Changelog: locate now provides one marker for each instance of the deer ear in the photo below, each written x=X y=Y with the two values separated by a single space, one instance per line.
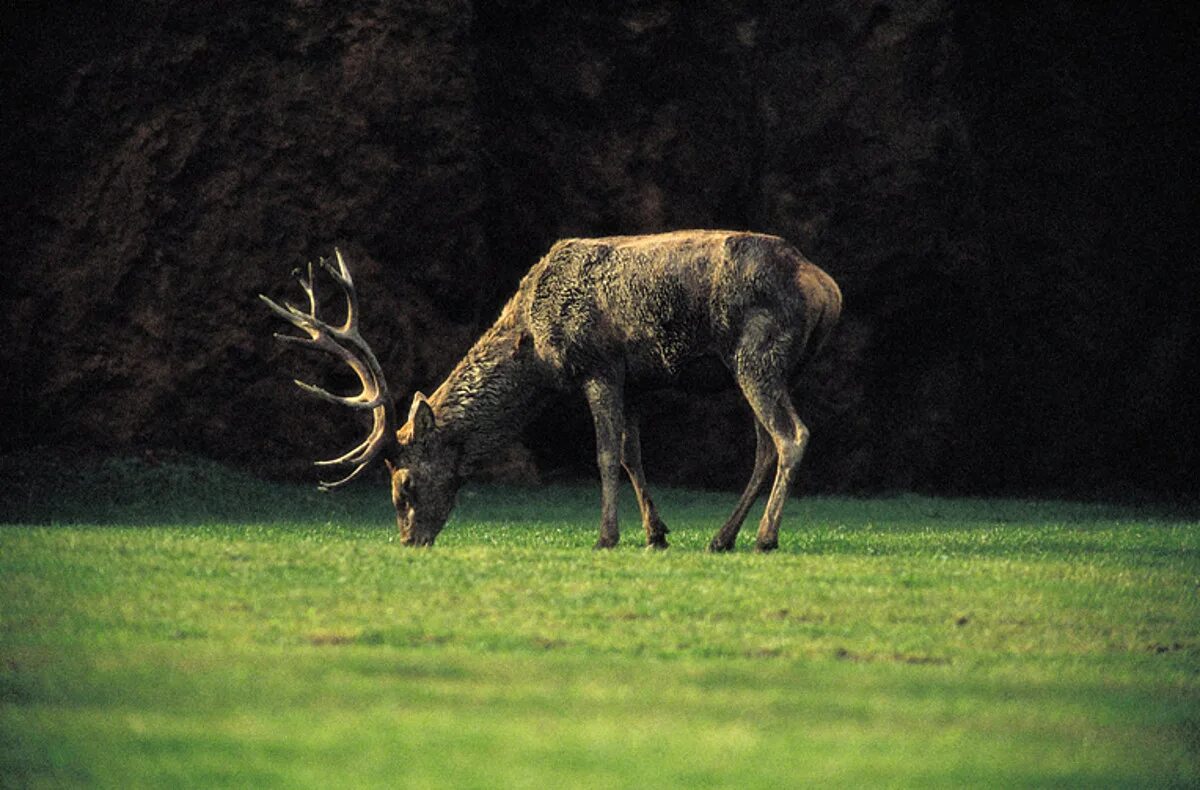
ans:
x=421 y=417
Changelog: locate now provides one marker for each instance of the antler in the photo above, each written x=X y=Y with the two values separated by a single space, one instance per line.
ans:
x=345 y=343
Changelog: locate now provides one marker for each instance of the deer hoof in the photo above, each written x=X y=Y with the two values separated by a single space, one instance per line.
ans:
x=762 y=547
x=720 y=546
x=657 y=544
x=605 y=542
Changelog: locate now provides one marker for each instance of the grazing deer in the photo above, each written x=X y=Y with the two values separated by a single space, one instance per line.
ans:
x=610 y=316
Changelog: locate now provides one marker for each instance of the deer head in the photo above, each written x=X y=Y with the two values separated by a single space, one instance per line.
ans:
x=424 y=486
x=419 y=459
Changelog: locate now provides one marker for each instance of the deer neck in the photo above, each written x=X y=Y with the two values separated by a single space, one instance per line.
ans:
x=489 y=396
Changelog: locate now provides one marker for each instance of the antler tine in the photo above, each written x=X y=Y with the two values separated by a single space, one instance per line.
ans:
x=301 y=320
x=345 y=343
x=362 y=452
x=362 y=455
x=329 y=486
x=341 y=276
x=366 y=399
x=289 y=313
x=309 y=287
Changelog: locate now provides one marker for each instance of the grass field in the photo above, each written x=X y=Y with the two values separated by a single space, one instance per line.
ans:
x=181 y=625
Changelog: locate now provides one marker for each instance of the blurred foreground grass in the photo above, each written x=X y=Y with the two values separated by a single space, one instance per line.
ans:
x=180 y=624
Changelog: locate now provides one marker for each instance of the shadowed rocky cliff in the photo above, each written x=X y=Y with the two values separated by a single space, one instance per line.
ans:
x=1005 y=197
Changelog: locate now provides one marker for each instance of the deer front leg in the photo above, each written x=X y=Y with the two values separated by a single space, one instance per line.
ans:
x=606 y=399
x=631 y=459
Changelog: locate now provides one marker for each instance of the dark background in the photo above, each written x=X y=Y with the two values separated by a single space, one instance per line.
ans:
x=1008 y=199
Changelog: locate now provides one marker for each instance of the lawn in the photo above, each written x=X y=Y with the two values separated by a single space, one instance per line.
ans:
x=178 y=624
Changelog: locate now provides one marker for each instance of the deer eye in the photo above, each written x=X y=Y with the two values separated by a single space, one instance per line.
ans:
x=403 y=495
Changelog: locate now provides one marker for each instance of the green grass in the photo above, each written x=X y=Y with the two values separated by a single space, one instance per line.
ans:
x=181 y=625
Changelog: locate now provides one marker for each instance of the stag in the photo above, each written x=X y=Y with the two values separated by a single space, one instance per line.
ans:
x=612 y=317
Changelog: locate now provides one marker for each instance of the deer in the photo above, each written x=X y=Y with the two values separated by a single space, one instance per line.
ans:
x=610 y=317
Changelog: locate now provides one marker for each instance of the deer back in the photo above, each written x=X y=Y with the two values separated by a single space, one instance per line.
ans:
x=656 y=302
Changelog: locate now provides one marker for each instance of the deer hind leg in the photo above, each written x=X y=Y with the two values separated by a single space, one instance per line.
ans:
x=631 y=459
x=606 y=399
x=764 y=461
x=760 y=366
